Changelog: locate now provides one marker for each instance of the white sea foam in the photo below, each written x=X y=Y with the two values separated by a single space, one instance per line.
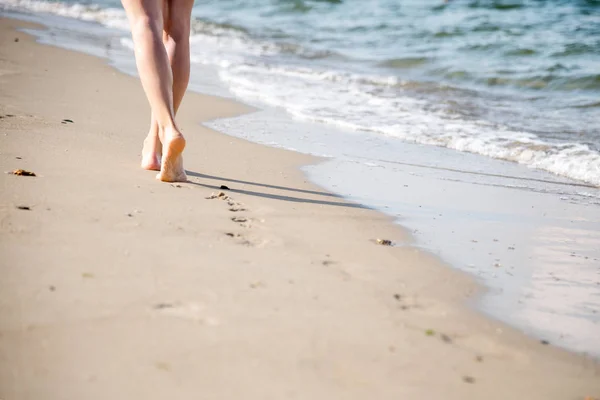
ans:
x=110 y=17
x=360 y=102
x=352 y=105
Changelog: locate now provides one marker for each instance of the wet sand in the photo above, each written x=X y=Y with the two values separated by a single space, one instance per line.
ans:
x=117 y=286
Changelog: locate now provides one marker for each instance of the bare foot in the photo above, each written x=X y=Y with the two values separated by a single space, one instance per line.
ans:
x=171 y=168
x=151 y=153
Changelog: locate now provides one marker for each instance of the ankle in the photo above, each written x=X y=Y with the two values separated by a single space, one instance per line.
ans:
x=170 y=131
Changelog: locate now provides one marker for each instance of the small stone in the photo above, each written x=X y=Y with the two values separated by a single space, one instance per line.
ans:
x=51 y=288
x=468 y=379
x=544 y=342
x=22 y=172
x=161 y=306
x=223 y=187
x=479 y=358
x=445 y=338
x=397 y=297
x=24 y=208
x=16 y=40
x=384 y=242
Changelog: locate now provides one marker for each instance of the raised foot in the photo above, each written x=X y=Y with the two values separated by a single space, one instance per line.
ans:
x=171 y=168
x=151 y=153
x=150 y=162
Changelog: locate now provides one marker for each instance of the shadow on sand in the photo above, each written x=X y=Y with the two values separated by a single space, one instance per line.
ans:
x=283 y=197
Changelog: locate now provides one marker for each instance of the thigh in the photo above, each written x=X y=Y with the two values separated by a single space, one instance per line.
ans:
x=179 y=16
x=144 y=10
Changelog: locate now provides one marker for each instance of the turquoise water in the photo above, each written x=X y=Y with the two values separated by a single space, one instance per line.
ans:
x=530 y=66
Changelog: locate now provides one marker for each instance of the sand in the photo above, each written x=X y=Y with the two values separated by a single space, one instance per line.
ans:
x=114 y=285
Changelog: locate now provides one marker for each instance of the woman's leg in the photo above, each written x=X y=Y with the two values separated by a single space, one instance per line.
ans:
x=177 y=44
x=146 y=21
x=176 y=35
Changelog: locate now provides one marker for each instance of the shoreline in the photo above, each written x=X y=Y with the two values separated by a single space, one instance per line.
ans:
x=513 y=264
x=276 y=204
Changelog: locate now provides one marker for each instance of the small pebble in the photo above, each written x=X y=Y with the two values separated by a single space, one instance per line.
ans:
x=160 y=306
x=446 y=338
x=22 y=172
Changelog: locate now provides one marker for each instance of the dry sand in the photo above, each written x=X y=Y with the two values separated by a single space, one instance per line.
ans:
x=116 y=286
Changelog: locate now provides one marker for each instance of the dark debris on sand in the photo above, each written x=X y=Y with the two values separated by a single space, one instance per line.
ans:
x=22 y=172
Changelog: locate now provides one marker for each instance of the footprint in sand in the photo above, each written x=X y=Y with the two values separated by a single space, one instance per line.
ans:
x=242 y=221
x=234 y=206
x=241 y=239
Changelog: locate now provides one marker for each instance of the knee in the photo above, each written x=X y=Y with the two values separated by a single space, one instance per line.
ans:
x=147 y=26
x=178 y=29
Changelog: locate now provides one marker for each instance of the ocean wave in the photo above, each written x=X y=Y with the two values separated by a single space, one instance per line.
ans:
x=110 y=17
x=349 y=101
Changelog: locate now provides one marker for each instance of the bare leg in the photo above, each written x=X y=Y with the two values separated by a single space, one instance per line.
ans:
x=152 y=149
x=146 y=20
x=177 y=43
x=176 y=34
